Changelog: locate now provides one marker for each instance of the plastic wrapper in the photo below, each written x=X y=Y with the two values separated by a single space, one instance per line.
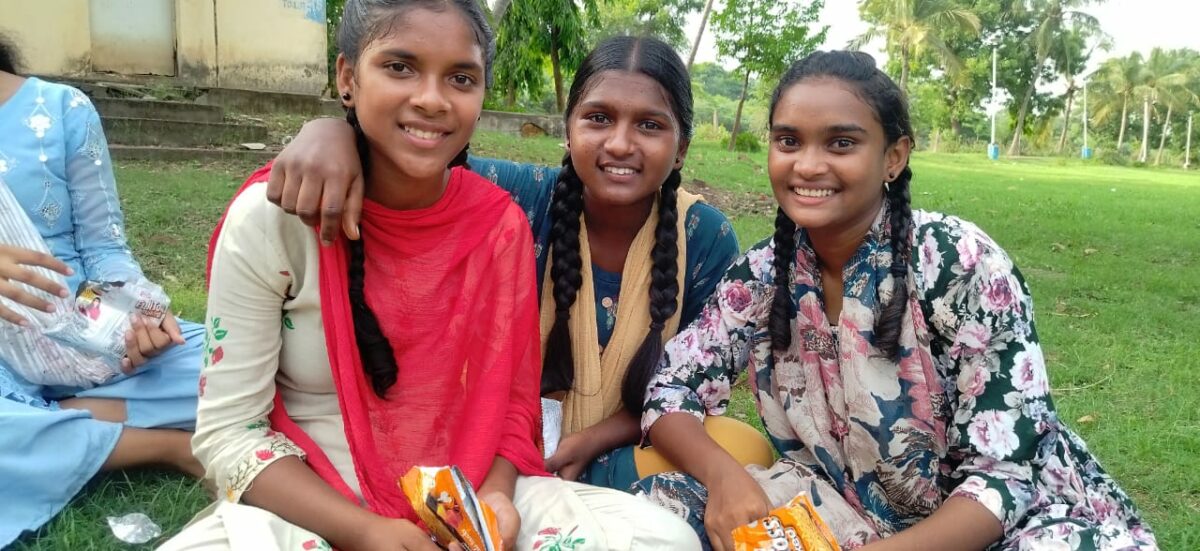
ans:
x=446 y=503
x=80 y=343
x=135 y=528
x=552 y=418
x=793 y=527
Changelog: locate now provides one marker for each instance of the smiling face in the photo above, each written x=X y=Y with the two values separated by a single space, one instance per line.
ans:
x=417 y=91
x=829 y=157
x=624 y=139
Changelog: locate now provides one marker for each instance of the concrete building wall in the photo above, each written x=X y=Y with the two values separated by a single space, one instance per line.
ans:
x=54 y=36
x=196 y=42
x=259 y=45
x=275 y=45
x=133 y=37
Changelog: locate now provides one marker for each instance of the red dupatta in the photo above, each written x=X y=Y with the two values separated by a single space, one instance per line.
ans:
x=453 y=287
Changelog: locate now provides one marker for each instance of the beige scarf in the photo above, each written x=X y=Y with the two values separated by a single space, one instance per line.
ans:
x=596 y=394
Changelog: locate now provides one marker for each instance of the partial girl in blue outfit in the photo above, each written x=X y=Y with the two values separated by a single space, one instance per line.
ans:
x=54 y=159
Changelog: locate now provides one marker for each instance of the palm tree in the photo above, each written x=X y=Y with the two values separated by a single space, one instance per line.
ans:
x=1162 y=83
x=913 y=26
x=1069 y=46
x=1116 y=80
x=1051 y=19
x=1178 y=91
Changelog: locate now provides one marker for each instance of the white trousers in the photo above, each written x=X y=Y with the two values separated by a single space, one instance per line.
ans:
x=576 y=517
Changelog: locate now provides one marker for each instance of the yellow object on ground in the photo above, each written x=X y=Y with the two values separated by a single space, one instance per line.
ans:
x=741 y=440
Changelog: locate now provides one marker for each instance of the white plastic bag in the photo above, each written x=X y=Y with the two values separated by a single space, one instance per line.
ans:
x=82 y=342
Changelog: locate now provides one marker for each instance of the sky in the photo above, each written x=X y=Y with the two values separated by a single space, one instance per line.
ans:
x=1134 y=25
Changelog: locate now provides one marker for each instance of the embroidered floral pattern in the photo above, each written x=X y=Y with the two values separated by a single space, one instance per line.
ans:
x=554 y=539
x=213 y=352
x=249 y=467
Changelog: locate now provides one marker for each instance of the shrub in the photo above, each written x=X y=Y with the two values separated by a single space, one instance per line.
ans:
x=746 y=142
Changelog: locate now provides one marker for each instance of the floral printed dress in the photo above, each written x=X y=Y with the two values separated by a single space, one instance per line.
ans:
x=881 y=444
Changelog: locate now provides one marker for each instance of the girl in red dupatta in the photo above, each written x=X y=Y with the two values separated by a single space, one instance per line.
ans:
x=330 y=371
x=429 y=323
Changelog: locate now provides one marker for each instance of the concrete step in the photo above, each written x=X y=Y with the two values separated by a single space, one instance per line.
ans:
x=139 y=131
x=184 y=154
x=155 y=109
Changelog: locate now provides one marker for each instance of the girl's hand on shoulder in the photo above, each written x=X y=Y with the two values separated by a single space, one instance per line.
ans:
x=390 y=534
x=574 y=453
x=507 y=517
x=318 y=177
x=15 y=263
x=735 y=500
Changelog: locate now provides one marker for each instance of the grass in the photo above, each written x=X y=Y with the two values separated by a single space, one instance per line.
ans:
x=1111 y=255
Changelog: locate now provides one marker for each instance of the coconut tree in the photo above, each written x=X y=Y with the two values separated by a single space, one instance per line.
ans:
x=1164 y=75
x=912 y=27
x=1051 y=18
x=1116 y=80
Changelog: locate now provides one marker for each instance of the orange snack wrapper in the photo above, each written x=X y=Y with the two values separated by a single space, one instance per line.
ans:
x=793 y=527
x=446 y=503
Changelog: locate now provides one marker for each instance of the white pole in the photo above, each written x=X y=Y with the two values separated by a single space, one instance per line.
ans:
x=995 y=55
x=1187 y=156
x=1085 y=118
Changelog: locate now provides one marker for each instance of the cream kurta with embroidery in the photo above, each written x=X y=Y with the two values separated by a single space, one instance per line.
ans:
x=264 y=334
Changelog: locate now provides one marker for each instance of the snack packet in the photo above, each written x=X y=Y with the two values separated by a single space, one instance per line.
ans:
x=445 y=501
x=793 y=527
x=104 y=308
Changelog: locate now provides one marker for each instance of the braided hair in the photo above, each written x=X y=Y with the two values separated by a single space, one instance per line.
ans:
x=660 y=62
x=362 y=21
x=857 y=70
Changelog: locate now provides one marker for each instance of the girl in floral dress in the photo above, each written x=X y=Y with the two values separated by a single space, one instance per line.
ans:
x=892 y=354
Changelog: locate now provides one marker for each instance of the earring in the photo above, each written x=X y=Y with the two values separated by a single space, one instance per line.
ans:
x=887 y=187
x=346 y=96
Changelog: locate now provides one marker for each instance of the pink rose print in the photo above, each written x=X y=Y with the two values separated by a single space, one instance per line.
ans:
x=998 y=294
x=310 y=544
x=264 y=455
x=203 y=384
x=994 y=434
x=736 y=296
x=218 y=355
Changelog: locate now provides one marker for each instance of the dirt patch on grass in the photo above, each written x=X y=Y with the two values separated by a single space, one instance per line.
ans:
x=733 y=203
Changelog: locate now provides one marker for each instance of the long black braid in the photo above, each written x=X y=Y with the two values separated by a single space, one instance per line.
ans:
x=858 y=70
x=780 y=319
x=566 y=205
x=887 y=329
x=664 y=294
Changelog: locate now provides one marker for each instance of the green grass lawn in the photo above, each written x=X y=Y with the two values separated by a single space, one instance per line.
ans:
x=1111 y=255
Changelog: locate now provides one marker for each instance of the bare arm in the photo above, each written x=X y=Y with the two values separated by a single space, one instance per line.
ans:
x=960 y=524
x=734 y=498
x=293 y=491
x=577 y=450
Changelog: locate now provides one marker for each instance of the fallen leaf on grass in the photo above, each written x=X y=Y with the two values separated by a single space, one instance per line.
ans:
x=1086 y=419
x=1089 y=252
x=1058 y=247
